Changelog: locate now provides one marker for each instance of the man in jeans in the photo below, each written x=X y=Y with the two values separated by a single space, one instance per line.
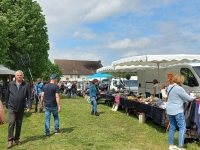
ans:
x=38 y=88
x=50 y=98
x=18 y=92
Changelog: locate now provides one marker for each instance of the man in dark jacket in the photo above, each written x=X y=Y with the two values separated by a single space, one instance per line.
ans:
x=18 y=92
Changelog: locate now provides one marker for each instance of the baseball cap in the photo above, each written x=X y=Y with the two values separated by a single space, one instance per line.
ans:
x=53 y=76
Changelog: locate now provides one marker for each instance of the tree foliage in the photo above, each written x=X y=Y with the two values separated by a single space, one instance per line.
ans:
x=27 y=33
x=3 y=38
x=49 y=70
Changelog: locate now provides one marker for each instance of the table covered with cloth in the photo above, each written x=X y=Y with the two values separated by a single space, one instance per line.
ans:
x=154 y=112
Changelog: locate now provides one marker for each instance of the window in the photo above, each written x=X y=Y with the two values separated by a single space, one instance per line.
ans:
x=188 y=75
x=78 y=76
x=71 y=76
x=67 y=78
x=197 y=70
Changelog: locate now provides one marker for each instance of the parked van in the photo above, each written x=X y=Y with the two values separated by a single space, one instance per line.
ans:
x=131 y=85
x=191 y=72
x=116 y=84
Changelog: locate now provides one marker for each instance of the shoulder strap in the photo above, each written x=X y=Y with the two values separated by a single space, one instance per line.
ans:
x=169 y=91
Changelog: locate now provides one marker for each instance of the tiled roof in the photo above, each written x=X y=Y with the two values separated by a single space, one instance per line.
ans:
x=80 y=67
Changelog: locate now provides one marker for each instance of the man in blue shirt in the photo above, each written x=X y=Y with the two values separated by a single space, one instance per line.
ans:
x=38 y=88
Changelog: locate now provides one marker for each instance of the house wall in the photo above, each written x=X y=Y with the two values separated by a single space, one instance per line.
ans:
x=74 y=77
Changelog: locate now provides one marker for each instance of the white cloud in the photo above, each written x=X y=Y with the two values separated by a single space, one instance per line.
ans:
x=85 y=34
x=130 y=44
x=167 y=26
x=65 y=15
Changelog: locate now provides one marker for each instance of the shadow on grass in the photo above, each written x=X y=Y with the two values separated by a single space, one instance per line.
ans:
x=43 y=137
x=68 y=130
x=101 y=112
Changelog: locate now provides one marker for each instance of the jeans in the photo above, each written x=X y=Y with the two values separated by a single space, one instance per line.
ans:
x=175 y=120
x=94 y=105
x=15 y=121
x=68 y=93
x=37 y=100
x=73 y=94
x=54 y=111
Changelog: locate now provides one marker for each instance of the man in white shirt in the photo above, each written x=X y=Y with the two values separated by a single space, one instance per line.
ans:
x=68 y=89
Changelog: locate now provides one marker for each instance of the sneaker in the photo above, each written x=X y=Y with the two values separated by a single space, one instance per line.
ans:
x=59 y=132
x=48 y=136
x=173 y=147
x=181 y=148
x=9 y=145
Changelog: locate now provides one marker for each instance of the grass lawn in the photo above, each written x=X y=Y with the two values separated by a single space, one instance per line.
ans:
x=82 y=131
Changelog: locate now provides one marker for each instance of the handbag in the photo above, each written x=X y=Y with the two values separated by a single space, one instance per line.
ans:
x=2 y=114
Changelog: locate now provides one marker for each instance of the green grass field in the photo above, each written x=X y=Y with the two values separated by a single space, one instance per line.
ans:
x=82 y=131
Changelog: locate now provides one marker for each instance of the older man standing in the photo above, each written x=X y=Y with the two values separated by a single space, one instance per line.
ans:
x=50 y=97
x=17 y=93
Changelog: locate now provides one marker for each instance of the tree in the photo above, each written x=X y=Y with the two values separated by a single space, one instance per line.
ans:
x=27 y=33
x=49 y=70
x=3 y=39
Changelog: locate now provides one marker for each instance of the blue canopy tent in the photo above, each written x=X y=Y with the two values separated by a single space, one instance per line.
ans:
x=99 y=75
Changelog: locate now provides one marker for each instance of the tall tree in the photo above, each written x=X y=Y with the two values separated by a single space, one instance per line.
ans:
x=3 y=38
x=27 y=34
x=51 y=69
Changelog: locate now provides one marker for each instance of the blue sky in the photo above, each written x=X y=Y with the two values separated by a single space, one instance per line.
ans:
x=109 y=30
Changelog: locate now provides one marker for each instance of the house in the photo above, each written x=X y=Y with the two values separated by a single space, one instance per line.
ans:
x=77 y=70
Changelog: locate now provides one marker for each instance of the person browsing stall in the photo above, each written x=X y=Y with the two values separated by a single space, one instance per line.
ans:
x=174 y=108
x=157 y=89
x=93 y=96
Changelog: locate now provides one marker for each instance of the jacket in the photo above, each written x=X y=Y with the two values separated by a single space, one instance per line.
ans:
x=93 y=91
x=15 y=99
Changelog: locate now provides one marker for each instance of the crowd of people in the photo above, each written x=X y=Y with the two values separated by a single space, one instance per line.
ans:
x=47 y=97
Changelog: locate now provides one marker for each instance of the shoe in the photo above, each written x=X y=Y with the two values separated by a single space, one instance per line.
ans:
x=48 y=136
x=10 y=144
x=17 y=142
x=96 y=113
x=92 y=113
x=59 y=132
x=181 y=148
x=173 y=147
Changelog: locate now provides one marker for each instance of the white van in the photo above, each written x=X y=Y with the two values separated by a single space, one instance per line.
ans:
x=116 y=84
x=191 y=71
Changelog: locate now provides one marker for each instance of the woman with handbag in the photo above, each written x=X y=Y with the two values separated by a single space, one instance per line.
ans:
x=176 y=97
x=93 y=96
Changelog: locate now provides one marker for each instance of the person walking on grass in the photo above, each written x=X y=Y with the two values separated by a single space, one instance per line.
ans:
x=38 y=91
x=18 y=92
x=176 y=97
x=93 y=96
x=50 y=101
x=74 y=89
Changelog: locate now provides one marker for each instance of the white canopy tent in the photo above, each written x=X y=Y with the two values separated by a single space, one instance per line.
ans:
x=4 y=70
x=159 y=60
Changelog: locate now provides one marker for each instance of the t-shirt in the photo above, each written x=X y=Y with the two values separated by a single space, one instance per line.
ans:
x=50 y=91
x=158 y=88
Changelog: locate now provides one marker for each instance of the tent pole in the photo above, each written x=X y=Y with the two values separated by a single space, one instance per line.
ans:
x=159 y=76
